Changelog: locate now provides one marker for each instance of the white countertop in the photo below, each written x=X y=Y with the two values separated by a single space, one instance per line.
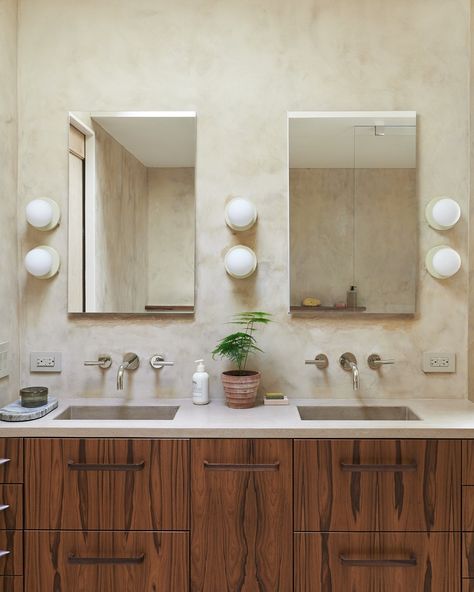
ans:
x=447 y=418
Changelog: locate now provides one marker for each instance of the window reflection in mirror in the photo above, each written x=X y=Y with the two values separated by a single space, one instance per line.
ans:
x=132 y=212
x=353 y=212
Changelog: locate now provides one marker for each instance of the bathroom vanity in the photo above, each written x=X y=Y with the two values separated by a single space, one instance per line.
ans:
x=302 y=513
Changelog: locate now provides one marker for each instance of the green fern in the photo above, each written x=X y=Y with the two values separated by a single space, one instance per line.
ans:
x=237 y=347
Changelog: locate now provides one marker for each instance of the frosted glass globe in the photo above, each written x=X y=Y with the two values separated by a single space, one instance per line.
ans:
x=43 y=213
x=443 y=262
x=240 y=262
x=443 y=213
x=240 y=214
x=42 y=262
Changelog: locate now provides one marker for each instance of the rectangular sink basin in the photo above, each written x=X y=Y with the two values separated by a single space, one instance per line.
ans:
x=122 y=412
x=356 y=413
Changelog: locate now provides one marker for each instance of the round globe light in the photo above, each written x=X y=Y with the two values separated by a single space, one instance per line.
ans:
x=42 y=262
x=240 y=214
x=43 y=213
x=240 y=262
x=442 y=213
x=443 y=262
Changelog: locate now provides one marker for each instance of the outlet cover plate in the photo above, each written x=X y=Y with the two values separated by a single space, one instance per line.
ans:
x=45 y=362
x=439 y=362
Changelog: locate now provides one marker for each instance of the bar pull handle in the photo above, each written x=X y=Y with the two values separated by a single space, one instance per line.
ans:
x=379 y=468
x=73 y=466
x=4 y=507
x=254 y=468
x=4 y=553
x=75 y=560
x=349 y=562
x=4 y=461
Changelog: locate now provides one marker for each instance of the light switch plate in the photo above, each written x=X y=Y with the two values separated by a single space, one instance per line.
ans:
x=45 y=362
x=4 y=369
x=439 y=362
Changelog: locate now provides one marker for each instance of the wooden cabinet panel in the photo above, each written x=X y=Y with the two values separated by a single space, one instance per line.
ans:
x=11 y=460
x=468 y=586
x=11 y=507
x=73 y=561
x=377 y=485
x=242 y=527
x=107 y=484
x=363 y=562
x=11 y=584
x=468 y=554
x=468 y=462
x=11 y=553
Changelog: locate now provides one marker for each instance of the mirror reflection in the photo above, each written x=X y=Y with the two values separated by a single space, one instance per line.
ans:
x=132 y=212
x=353 y=212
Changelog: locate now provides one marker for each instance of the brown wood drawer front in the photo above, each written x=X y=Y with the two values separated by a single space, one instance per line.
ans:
x=91 y=484
x=11 y=553
x=242 y=527
x=71 y=561
x=468 y=586
x=468 y=462
x=11 y=507
x=363 y=562
x=11 y=460
x=11 y=584
x=377 y=485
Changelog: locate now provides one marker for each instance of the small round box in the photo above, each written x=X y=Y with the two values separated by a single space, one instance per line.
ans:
x=34 y=396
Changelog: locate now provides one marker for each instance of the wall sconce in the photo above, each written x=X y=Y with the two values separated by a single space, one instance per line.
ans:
x=240 y=262
x=442 y=213
x=42 y=262
x=240 y=214
x=43 y=213
x=442 y=262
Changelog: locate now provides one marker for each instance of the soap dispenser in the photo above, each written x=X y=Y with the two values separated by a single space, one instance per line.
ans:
x=200 y=384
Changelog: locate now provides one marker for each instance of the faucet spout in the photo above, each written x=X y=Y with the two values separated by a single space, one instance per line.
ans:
x=130 y=362
x=348 y=362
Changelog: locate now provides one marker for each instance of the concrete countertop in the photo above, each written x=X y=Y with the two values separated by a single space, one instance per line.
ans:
x=446 y=418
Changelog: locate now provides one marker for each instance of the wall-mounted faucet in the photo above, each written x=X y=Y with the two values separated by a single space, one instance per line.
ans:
x=130 y=362
x=348 y=362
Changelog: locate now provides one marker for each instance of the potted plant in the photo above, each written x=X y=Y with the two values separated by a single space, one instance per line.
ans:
x=241 y=385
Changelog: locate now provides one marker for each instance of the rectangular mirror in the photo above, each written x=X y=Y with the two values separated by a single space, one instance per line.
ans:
x=132 y=212
x=353 y=212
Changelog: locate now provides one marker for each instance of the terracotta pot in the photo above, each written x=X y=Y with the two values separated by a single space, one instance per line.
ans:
x=240 y=388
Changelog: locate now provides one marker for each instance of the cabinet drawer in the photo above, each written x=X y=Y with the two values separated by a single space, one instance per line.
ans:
x=468 y=462
x=93 y=484
x=72 y=561
x=468 y=586
x=11 y=553
x=399 y=562
x=11 y=584
x=377 y=485
x=11 y=460
x=11 y=507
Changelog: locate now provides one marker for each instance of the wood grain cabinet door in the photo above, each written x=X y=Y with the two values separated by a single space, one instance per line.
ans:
x=73 y=561
x=241 y=516
x=11 y=584
x=91 y=484
x=11 y=460
x=377 y=562
x=377 y=485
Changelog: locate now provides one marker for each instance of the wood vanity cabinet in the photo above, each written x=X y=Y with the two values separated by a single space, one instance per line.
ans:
x=242 y=525
x=108 y=515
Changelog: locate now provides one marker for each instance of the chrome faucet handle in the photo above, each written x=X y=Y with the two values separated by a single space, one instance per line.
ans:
x=374 y=361
x=157 y=361
x=347 y=361
x=104 y=361
x=320 y=361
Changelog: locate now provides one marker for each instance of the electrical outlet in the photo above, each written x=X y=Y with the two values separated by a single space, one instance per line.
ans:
x=4 y=369
x=45 y=362
x=439 y=362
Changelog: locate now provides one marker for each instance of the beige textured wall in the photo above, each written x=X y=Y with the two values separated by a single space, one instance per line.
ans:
x=121 y=227
x=241 y=64
x=8 y=195
x=171 y=221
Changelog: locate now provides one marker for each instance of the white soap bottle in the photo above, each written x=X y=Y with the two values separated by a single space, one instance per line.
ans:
x=200 y=384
